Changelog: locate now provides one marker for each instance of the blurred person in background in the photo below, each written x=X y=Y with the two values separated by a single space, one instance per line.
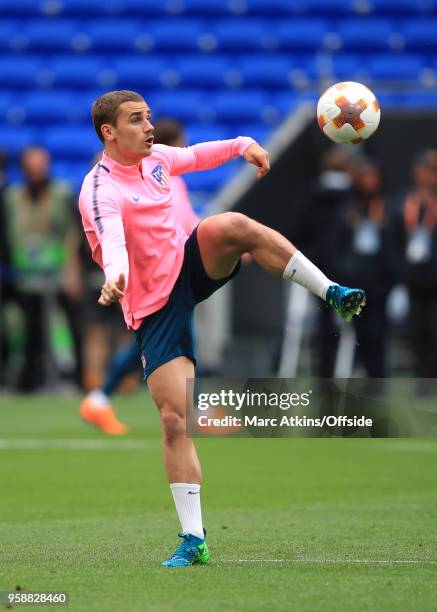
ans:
x=43 y=243
x=414 y=240
x=362 y=256
x=330 y=191
x=97 y=407
x=6 y=286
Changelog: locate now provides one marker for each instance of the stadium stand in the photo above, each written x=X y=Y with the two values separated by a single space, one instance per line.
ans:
x=221 y=66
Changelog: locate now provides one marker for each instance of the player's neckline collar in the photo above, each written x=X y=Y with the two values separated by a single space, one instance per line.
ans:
x=119 y=168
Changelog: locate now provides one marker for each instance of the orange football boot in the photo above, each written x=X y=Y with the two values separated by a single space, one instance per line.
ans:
x=102 y=417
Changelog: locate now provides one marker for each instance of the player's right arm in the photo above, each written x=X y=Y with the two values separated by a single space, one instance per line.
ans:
x=102 y=207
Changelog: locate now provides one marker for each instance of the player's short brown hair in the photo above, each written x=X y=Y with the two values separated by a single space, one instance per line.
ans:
x=105 y=108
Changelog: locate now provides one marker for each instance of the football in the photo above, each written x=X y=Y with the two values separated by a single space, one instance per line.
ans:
x=348 y=112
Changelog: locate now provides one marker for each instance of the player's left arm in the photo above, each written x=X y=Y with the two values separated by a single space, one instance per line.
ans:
x=208 y=155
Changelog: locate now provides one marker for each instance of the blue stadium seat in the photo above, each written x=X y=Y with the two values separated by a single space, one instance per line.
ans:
x=7 y=100
x=285 y=103
x=366 y=34
x=426 y=99
x=305 y=34
x=402 y=7
x=19 y=71
x=203 y=70
x=212 y=179
x=71 y=171
x=392 y=67
x=265 y=8
x=209 y=8
x=266 y=71
x=73 y=71
x=198 y=132
x=260 y=133
x=13 y=140
x=48 y=107
x=23 y=8
x=346 y=67
x=187 y=105
x=243 y=35
x=175 y=34
x=9 y=31
x=90 y=8
x=71 y=142
x=420 y=34
x=145 y=8
x=324 y=7
x=113 y=34
x=240 y=106
x=51 y=35
x=138 y=71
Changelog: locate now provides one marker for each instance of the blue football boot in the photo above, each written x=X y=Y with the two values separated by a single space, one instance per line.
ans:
x=190 y=551
x=345 y=301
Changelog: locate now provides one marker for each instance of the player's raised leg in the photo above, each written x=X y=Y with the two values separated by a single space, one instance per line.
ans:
x=223 y=238
x=168 y=386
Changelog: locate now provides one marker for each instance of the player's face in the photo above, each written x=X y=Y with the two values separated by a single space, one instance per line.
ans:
x=133 y=131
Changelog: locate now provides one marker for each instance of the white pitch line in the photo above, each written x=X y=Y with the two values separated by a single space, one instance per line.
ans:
x=330 y=561
x=71 y=444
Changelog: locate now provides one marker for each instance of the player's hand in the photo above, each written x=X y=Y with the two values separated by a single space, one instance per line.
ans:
x=112 y=291
x=259 y=157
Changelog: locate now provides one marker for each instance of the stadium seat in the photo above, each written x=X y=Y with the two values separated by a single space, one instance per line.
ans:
x=260 y=133
x=402 y=7
x=71 y=171
x=286 y=103
x=21 y=9
x=112 y=35
x=266 y=71
x=174 y=34
x=89 y=8
x=137 y=71
x=7 y=100
x=17 y=71
x=71 y=142
x=346 y=67
x=198 y=132
x=324 y=7
x=243 y=35
x=366 y=34
x=48 y=107
x=211 y=180
x=305 y=34
x=426 y=99
x=188 y=106
x=237 y=107
x=211 y=8
x=13 y=140
x=9 y=32
x=392 y=67
x=203 y=70
x=52 y=35
x=264 y=8
x=420 y=34
x=72 y=71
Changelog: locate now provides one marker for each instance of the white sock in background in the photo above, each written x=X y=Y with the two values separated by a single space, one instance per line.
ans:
x=187 y=501
x=100 y=399
x=300 y=270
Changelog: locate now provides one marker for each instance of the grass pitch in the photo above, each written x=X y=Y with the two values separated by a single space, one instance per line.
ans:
x=303 y=524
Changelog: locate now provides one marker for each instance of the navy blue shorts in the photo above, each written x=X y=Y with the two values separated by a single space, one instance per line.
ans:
x=168 y=332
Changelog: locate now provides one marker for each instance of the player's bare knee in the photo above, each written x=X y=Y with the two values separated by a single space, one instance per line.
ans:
x=237 y=227
x=173 y=424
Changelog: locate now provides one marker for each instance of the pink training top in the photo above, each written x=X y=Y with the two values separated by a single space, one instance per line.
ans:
x=185 y=215
x=129 y=218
